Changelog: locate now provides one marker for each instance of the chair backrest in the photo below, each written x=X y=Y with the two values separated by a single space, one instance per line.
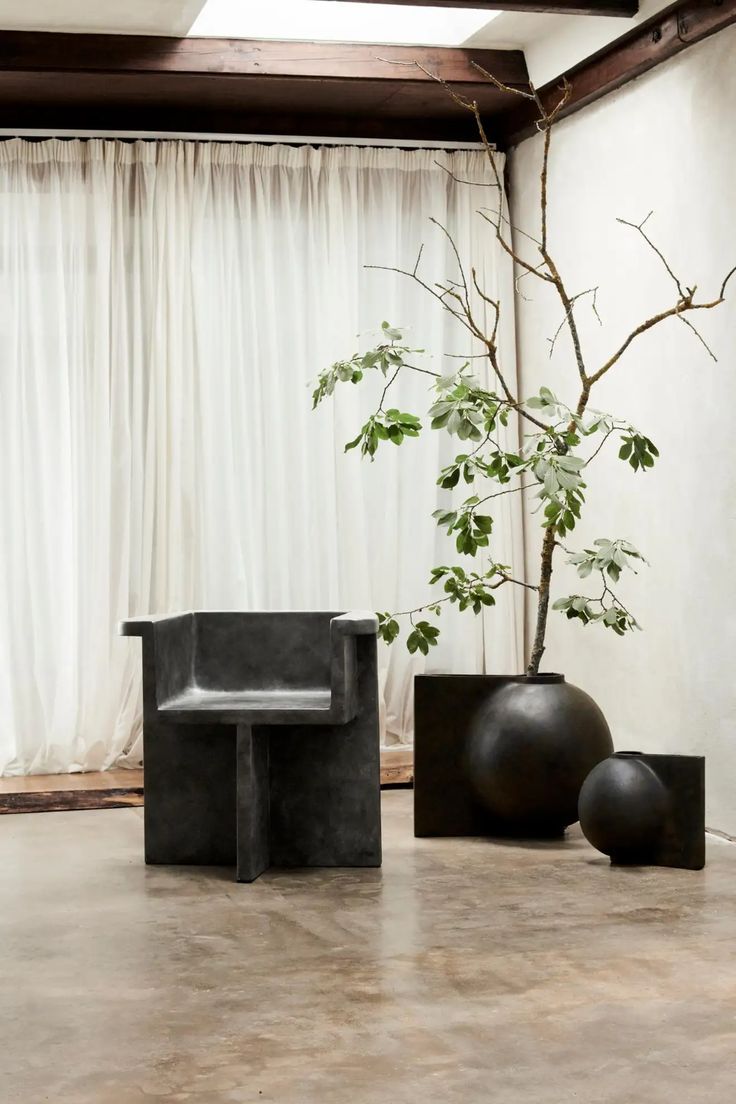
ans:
x=262 y=651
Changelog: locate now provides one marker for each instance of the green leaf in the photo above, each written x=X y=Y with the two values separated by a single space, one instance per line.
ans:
x=390 y=630
x=391 y=332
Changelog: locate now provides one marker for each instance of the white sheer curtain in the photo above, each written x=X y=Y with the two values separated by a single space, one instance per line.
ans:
x=164 y=306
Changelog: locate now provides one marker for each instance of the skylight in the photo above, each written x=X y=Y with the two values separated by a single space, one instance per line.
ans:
x=328 y=21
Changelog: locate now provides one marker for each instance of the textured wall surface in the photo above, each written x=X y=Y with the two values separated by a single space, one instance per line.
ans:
x=665 y=142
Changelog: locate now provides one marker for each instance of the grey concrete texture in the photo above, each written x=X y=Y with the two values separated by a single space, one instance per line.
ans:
x=464 y=971
x=261 y=739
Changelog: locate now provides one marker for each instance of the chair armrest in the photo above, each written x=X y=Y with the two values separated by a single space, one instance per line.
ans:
x=139 y=626
x=168 y=654
x=355 y=623
x=344 y=645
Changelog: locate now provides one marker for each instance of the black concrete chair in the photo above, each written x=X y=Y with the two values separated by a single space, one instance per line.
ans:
x=261 y=741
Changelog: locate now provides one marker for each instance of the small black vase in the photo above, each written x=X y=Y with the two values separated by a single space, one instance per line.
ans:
x=529 y=750
x=646 y=809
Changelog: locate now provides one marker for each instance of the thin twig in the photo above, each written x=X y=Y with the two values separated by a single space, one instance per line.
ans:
x=388 y=384
x=509 y=579
x=459 y=180
x=722 y=292
x=424 y=371
x=600 y=446
x=640 y=228
x=455 y=250
x=513 y=227
x=701 y=339
x=508 y=490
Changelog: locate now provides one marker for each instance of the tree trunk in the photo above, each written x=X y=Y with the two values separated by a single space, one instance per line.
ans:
x=548 y=549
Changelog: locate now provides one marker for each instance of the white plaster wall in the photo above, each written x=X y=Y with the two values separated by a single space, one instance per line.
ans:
x=668 y=142
x=554 y=43
x=572 y=38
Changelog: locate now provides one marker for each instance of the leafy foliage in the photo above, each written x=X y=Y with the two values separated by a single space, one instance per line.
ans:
x=388 y=627
x=551 y=464
x=638 y=450
x=472 y=529
x=609 y=614
x=608 y=557
x=470 y=590
x=422 y=637
x=387 y=357
x=464 y=408
x=389 y=425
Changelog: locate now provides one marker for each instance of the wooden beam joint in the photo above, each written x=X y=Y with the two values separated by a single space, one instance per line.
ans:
x=663 y=36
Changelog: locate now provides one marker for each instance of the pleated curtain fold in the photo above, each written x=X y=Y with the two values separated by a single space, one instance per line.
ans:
x=164 y=308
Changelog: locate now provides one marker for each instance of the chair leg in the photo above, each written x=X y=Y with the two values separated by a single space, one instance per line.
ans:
x=325 y=784
x=189 y=810
x=253 y=812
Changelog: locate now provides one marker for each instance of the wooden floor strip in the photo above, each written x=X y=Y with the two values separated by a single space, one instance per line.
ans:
x=58 y=801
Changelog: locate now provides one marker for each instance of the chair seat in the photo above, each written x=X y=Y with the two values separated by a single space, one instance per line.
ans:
x=248 y=706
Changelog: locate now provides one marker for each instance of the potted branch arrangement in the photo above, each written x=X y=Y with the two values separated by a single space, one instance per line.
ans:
x=532 y=738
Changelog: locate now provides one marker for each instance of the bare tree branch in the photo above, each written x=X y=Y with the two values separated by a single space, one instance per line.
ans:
x=459 y=179
x=677 y=311
x=530 y=269
x=565 y=320
x=456 y=299
x=456 y=251
x=513 y=227
x=511 y=89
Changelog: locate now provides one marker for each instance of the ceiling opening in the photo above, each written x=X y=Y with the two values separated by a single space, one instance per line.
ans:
x=326 y=21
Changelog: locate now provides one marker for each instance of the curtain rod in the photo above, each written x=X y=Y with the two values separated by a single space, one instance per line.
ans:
x=194 y=136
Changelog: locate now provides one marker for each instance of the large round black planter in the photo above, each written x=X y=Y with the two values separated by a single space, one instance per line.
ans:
x=625 y=808
x=529 y=750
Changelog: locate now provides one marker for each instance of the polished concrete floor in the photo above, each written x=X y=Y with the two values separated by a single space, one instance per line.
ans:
x=463 y=972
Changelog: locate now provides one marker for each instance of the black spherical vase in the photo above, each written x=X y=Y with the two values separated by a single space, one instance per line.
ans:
x=646 y=809
x=530 y=748
x=624 y=807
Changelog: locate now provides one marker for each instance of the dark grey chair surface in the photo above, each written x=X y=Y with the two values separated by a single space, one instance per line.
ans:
x=261 y=738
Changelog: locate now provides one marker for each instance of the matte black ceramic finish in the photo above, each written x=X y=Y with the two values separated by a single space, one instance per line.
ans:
x=261 y=739
x=646 y=809
x=529 y=750
x=542 y=737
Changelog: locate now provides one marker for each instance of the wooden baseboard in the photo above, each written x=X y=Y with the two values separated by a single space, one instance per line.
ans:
x=115 y=789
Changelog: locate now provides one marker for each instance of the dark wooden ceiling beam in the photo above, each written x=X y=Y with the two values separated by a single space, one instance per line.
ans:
x=556 y=7
x=43 y=52
x=668 y=33
x=194 y=85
